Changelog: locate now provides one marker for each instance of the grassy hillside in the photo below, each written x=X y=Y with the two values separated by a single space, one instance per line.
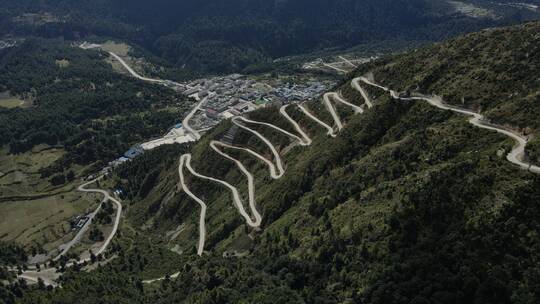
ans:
x=79 y=115
x=409 y=204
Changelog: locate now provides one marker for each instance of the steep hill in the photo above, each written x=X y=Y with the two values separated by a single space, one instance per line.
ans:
x=219 y=36
x=407 y=204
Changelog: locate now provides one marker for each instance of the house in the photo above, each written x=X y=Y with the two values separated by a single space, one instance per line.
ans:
x=245 y=107
x=79 y=221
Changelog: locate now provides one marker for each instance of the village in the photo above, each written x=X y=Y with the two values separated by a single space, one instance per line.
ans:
x=226 y=97
x=235 y=95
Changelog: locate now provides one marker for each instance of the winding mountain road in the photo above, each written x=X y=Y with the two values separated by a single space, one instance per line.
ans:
x=330 y=107
x=133 y=73
x=305 y=140
x=78 y=237
x=276 y=169
x=106 y=197
x=355 y=83
x=48 y=275
x=185 y=161
x=185 y=123
x=515 y=156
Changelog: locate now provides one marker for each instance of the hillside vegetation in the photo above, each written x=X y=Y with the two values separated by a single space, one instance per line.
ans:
x=79 y=103
x=222 y=36
x=492 y=72
x=409 y=204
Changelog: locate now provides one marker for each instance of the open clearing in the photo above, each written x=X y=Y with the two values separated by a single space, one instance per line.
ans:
x=19 y=174
x=9 y=101
x=120 y=49
x=470 y=10
x=63 y=63
x=43 y=221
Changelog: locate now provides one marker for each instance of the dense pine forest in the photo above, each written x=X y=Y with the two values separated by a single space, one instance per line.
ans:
x=224 y=36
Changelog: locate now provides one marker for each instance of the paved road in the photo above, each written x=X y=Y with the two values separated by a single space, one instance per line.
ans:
x=237 y=121
x=331 y=132
x=330 y=107
x=393 y=93
x=196 y=134
x=277 y=170
x=355 y=83
x=515 y=156
x=133 y=73
x=256 y=222
x=185 y=123
x=295 y=137
x=305 y=140
x=87 y=46
x=185 y=161
x=271 y=167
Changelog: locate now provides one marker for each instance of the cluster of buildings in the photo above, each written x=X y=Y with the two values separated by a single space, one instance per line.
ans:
x=235 y=95
x=128 y=155
x=290 y=93
x=78 y=222
x=176 y=134
x=227 y=97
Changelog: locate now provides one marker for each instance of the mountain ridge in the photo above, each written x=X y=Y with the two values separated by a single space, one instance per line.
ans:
x=409 y=204
x=190 y=34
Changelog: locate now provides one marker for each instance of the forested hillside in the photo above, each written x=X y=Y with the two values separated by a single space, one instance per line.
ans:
x=408 y=204
x=79 y=103
x=222 y=36
x=490 y=72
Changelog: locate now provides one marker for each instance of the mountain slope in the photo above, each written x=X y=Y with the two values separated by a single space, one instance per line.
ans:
x=219 y=36
x=407 y=195
x=408 y=204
